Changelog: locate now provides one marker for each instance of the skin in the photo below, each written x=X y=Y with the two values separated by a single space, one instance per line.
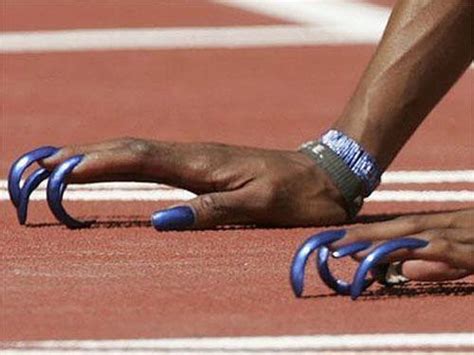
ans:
x=426 y=47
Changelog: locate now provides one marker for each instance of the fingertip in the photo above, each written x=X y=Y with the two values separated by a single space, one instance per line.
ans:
x=175 y=218
x=54 y=159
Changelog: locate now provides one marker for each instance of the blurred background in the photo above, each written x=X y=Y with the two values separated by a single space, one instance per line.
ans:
x=262 y=73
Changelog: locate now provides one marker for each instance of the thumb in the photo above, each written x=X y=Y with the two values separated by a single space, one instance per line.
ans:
x=205 y=211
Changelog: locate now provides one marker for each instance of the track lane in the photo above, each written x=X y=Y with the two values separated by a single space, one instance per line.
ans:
x=24 y=15
x=124 y=280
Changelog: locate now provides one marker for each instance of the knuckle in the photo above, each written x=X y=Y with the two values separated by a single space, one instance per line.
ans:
x=210 y=203
x=268 y=195
x=124 y=141
x=139 y=147
x=412 y=222
x=441 y=245
x=139 y=150
x=461 y=219
x=200 y=163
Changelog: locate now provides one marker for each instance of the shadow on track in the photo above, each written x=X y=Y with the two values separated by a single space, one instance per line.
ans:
x=422 y=289
x=131 y=221
x=413 y=289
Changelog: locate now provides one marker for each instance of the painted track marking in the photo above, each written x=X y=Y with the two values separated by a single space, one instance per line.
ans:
x=299 y=344
x=170 y=194
x=323 y=22
x=136 y=191
x=352 y=19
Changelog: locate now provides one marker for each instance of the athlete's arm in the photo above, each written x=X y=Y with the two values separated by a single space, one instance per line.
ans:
x=426 y=46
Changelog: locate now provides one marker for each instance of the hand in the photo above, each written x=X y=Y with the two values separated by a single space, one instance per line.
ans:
x=237 y=185
x=448 y=256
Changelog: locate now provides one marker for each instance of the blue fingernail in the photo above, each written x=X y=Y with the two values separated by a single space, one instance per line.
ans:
x=176 y=218
x=350 y=249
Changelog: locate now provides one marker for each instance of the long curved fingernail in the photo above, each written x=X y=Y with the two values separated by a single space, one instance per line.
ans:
x=380 y=252
x=297 y=269
x=341 y=287
x=176 y=218
x=350 y=249
x=20 y=165
x=55 y=191
x=31 y=183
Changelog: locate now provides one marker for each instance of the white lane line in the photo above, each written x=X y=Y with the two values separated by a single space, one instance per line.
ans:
x=428 y=177
x=258 y=344
x=390 y=177
x=170 y=38
x=353 y=19
x=318 y=23
x=311 y=352
x=183 y=195
x=421 y=196
x=137 y=191
x=110 y=186
x=114 y=195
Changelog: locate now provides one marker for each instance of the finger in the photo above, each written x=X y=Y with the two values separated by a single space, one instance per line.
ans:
x=117 y=159
x=65 y=153
x=106 y=165
x=205 y=211
x=444 y=245
x=195 y=167
x=396 y=228
x=421 y=270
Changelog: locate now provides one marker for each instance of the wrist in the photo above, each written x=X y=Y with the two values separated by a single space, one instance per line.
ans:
x=347 y=183
x=355 y=158
x=350 y=167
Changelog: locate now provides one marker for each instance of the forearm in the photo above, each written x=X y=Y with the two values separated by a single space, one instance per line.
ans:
x=426 y=46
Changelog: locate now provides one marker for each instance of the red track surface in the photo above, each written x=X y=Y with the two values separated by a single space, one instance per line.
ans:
x=122 y=279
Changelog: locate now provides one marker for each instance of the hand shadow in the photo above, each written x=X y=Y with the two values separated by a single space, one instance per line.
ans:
x=112 y=222
x=421 y=289
x=136 y=221
x=412 y=289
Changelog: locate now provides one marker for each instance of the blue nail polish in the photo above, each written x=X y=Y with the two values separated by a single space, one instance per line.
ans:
x=19 y=167
x=31 y=183
x=297 y=270
x=380 y=252
x=55 y=191
x=176 y=218
x=350 y=249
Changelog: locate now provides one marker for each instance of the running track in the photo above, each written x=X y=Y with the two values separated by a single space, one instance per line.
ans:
x=233 y=83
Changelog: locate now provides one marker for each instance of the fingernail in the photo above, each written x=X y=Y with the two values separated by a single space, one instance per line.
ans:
x=54 y=155
x=176 y=218
x=350 y=249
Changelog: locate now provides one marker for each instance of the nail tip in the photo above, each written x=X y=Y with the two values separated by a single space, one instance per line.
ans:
x=176 y=218
x=55 y=189
x=297 y=291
